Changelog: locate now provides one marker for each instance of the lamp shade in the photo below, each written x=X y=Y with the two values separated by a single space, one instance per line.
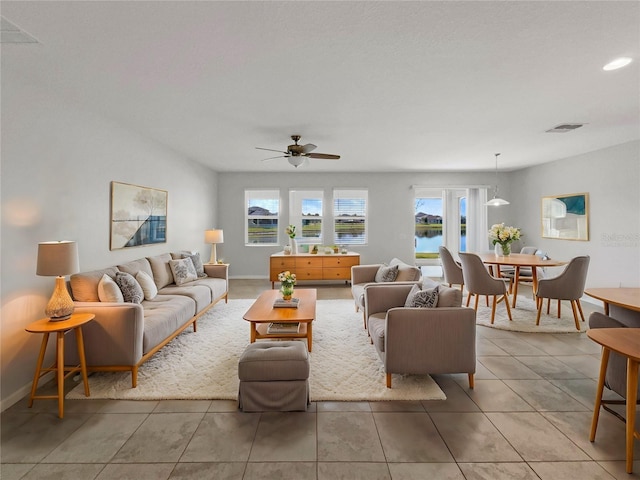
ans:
x=213 y=236
x=57 y=259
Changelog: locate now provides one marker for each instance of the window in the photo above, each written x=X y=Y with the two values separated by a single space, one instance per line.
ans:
x=263 y=213
x=305 y=212
x=453 y=217
x=350 y=217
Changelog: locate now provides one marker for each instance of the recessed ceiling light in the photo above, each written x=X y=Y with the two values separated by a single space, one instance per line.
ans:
x=617 y=63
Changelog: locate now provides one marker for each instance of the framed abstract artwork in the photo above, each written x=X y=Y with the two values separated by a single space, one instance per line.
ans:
x=138 y=216
x=566 y=217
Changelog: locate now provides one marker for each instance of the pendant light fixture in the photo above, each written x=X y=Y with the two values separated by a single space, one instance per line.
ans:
x=496 y=201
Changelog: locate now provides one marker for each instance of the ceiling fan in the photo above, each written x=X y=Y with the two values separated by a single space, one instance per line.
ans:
x=297 y=154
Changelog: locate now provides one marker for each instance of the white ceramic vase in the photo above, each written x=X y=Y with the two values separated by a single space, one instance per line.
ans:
x=294 y=246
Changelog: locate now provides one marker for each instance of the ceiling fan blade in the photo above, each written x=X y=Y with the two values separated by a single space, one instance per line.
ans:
x=271 y=158
x=308 y=148
x=324 y=156
x=270 y=150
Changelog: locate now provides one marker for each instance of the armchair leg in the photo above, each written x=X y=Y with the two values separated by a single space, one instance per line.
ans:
x=469 y=298
x=471 y=383
x=575 y=314
x=540 y=305
x=580 y=310
x=506 y=304
x=388 y=380
x=559 y=306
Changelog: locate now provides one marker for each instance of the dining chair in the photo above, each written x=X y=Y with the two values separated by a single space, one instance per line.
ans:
x=451 y=269
x=569 y=285
x=480 y=282
x=526 y=274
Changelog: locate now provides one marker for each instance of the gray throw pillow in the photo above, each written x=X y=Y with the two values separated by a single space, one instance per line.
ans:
x=422 y=298
x=197 y=263
x=130 y=288
x=386 y=273
x=183 y=271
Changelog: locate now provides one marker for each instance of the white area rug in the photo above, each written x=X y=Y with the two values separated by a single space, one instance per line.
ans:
x=524 y=316
x=204 y=365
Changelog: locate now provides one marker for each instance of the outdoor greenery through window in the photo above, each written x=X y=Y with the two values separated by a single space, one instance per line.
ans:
x=350 y=217
x=263 y=213
x=305 y=212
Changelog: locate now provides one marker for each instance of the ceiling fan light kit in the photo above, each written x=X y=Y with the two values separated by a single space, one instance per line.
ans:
x=298 y=154
x=496 y=201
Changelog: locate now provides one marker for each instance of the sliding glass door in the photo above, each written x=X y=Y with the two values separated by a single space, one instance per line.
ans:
x=442 y=217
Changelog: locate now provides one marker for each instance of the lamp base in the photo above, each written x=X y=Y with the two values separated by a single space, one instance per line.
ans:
x=214 y=257
x=60 y=306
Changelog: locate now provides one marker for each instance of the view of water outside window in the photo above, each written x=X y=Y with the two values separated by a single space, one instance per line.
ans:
x=311 y=227
x=428 y=230
x=261 y=228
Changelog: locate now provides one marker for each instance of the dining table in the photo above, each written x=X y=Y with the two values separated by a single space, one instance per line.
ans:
x=517 y=261
x=627 y=298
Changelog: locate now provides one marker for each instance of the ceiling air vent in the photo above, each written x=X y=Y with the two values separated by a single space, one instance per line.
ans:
x=565 y=127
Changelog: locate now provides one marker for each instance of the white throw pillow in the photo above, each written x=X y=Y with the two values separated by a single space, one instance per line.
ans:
x=183 y=271
x=108 y=290
x=148 y=285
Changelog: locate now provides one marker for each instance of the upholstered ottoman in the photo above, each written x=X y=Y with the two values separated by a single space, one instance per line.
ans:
x=274 y=376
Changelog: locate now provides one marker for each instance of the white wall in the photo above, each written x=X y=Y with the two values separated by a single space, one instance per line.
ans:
x=611 y=177
x=57 y=165
x=391 y=211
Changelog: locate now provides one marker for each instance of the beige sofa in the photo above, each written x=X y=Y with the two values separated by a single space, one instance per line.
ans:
x=412 y=340
x=125 y=335
x=364 y=275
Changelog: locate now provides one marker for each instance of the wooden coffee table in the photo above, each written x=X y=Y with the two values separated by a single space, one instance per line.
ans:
x=262 y=313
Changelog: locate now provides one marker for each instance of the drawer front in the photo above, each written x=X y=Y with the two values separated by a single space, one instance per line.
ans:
x=340 y=261
x=309 y=274
x=282 y=263
x=337 y=273
x=308 y=262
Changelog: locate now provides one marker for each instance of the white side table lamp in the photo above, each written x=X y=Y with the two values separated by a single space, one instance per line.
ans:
x=213 y=237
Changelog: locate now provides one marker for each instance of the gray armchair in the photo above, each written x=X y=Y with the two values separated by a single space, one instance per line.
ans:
x=569 y=285
x=421 y=340
x=480 y=282
x=450 y=268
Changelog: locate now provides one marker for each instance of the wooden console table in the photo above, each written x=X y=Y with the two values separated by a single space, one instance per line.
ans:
x=309 y=266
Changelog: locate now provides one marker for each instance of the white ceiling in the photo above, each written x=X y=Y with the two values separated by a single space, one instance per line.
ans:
x=389 y=86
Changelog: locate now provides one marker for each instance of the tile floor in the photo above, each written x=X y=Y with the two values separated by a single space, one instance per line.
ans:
x=527 y=418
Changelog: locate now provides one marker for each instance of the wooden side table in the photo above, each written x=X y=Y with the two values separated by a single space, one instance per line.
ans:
x=46 y=327
x=626 y=342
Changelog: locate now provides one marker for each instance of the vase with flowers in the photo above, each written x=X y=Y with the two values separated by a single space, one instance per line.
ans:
x=503 y=236
x=287 y=281
x=291 y=231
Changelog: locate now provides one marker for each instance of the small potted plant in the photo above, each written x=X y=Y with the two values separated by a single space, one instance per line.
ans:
x=287 y=280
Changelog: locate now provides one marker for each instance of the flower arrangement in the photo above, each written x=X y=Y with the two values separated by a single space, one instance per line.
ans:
x=288 y=280
x=291 y=231
x=499 y=234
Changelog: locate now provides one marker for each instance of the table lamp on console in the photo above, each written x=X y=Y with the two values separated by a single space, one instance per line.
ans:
x=57 y=259
x=213 y=237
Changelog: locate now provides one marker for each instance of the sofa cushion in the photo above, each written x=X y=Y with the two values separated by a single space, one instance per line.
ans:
x=406 y=273
x=148 y=285
x=376 y=325
x=449 y=297
x=161 y=270
x=218 y=286
x=183 y=271
x=84 y=286
x=197 y=263
x=200 y=294
x=135 y=266
x=130 y=288
x=163 y=316
x=427 y=298
x=108 y=290
x=387 y=273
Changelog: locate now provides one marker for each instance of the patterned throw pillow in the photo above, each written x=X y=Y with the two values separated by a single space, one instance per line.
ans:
x=183 y=271
x=147 y=284
x=422 y=298
x=108 y=290
x=387 y=273
x=130 y=288
x=197 y=263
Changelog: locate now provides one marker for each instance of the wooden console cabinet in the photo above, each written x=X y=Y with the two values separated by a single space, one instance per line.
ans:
x=308 y=266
